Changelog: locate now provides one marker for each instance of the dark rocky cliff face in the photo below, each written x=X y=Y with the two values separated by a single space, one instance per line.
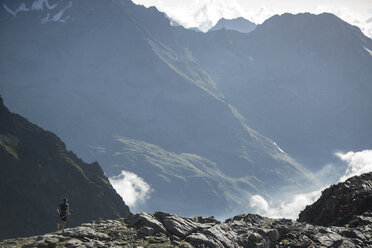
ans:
x=245 y=230
x=36 y=172
x=349 y=203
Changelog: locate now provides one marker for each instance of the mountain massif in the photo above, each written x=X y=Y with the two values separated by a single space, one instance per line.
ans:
x=104 y=77
x=37 y=172
x=245 y=230
x=303 y=80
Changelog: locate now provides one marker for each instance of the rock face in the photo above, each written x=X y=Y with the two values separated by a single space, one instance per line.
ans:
x=36 y=172
x=349 y=203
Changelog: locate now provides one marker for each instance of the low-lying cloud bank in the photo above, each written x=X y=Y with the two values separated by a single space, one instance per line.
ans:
x=357 y=164
x=135 y=191
x=132 y=188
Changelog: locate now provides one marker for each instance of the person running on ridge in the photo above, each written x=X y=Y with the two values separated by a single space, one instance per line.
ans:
x=63 y=210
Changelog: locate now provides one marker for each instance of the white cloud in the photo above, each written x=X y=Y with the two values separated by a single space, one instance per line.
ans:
x=357 y=164
x=132 y=188
x=289 y=208
x=197 y=13
x=260 y=14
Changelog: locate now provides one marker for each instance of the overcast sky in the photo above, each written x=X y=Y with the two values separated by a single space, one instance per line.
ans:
x=205 y=13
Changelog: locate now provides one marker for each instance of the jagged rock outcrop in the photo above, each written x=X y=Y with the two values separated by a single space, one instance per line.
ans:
x=36 y=172
x=167 y=230
x=246 y=230
x=349 y=203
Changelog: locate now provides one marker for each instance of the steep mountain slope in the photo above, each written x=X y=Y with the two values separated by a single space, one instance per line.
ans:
x=238 y=24
x=36 y=172
x=244 y=230
x=304 y=80
x=108 y=72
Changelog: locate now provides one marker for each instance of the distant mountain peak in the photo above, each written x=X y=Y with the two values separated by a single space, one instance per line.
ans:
x=238 y=24
x=324 y=22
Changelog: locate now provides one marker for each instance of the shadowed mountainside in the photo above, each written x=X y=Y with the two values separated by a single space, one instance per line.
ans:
x=106 y=83
x=37 y=171
x=303 y=80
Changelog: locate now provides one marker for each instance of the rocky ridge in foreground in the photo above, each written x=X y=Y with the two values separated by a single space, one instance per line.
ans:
x=246 y=230
x=166 y=230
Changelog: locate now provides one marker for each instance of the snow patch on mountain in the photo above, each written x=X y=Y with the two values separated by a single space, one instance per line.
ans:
x=22 y=7
x=57 y=17
x=39 y=5
x=369 y=51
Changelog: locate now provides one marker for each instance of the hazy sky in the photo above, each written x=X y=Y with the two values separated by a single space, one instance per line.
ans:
x=205 y=13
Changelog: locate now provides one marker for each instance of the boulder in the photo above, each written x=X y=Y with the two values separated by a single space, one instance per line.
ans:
x=176 y=225
x=85 y=232
x=201 y=240
x=223 y=233
x=145 y=219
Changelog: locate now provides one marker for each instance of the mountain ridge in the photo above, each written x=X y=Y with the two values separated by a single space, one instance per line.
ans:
x=37 y=172
x=293 y=78
x=238 y=24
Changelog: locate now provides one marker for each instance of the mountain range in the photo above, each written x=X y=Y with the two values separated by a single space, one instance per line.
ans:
x=303 y=80
x=207 y=119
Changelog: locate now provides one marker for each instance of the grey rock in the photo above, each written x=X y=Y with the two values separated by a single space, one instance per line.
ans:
x=52 y=240
x=208 y=220
x=81 y=232
x=272 y=234
x=176 y=225
x=145 y=230
x=201 y=240
x=302 y=242
x=329 y=239
x=41 y=244
x=145 y=219
x=256 y=240
x=73 y=243
x=224 y=234
x=347 y=244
